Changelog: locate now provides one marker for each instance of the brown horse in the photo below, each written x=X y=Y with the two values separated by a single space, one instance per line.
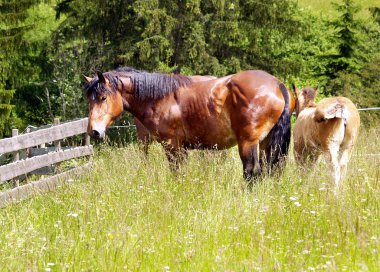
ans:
x=247 y=108
x=330 y=128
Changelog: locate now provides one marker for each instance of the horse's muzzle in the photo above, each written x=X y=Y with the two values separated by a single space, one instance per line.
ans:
x=97 y=134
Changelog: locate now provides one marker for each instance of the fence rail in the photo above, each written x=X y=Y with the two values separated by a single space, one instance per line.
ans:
x=39 y=137
x=21 y=167
x=368 y=109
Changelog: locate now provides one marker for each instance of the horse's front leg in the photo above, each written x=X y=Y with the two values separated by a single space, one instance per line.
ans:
x=143 y=136
x=175 y=154
x=248 y=151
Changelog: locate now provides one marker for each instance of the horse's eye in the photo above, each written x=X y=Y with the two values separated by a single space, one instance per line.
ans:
x=103 y=98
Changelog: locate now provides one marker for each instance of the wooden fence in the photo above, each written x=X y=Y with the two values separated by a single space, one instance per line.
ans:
x=22 y=167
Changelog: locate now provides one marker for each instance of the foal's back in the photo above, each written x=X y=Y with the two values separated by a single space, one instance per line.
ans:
x=333 y=120
x=339 y=108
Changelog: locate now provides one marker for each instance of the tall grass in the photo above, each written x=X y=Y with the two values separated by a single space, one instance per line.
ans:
x=132 y=213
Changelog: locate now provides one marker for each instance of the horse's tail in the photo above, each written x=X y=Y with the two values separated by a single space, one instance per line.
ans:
x=280 y=133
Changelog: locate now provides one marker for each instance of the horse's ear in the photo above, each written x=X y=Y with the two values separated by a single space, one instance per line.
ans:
x=295 y=90
x=101 y=77
x=316 y=90
x=177 y=70
x=87 y=79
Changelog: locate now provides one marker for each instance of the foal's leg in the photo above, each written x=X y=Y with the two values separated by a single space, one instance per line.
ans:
x=345 y=157
x=331 y=155
x=248 y=151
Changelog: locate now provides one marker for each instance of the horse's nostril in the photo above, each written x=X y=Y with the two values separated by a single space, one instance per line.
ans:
x=95 y=133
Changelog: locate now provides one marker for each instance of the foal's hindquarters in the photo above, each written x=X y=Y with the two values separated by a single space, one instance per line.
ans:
x=329 y=129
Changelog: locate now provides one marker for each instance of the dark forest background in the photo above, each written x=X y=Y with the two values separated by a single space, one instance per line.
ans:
x=47 y=46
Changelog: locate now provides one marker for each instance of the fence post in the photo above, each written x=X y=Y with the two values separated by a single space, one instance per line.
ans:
x=28 y=150
x=86 y=139
x=16 y=155
x=57 y=144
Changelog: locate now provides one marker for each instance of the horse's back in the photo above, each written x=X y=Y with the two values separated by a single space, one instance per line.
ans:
x=205 y=115
x=258 y=88
x=221 y=110
x=255 y=80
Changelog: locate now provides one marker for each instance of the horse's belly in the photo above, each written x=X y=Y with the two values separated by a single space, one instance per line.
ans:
x=207 y=124
x=211 y=135
x=207 y=143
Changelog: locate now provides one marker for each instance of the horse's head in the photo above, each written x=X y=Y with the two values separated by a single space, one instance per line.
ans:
x=105 y=103
x=304 y=98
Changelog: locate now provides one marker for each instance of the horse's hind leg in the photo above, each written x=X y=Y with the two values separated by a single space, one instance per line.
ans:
x=263 y=157
x=265 y=154
x=248 y=152
x=344 y=158
x=331 y=155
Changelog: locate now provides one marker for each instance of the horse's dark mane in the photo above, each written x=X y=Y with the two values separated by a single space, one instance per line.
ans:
x=156 y=85
x=146 y=85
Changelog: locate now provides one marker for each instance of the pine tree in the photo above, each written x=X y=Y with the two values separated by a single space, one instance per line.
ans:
x=206 y=37
x=5 y=107
x=13 y=14
x=347 y=41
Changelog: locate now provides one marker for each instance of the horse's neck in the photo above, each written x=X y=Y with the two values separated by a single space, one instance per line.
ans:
x=306 y=113
x=147 y=110
x=139 y=108
x=306 y=117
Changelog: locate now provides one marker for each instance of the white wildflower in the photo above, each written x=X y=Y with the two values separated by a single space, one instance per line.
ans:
x=72 y=214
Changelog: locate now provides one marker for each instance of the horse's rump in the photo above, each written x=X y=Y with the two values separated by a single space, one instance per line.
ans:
x=330 y=108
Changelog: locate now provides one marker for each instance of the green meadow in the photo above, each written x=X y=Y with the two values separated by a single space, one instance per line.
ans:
x=326 y=9
x=130 y=212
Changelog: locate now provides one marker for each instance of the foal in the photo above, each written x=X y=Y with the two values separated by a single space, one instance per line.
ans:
x=330 y=128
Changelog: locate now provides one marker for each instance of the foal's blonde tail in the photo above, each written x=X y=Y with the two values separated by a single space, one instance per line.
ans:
x=330 y=109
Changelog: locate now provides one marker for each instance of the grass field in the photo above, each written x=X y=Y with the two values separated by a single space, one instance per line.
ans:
x=132 y=213
x=326 y=9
